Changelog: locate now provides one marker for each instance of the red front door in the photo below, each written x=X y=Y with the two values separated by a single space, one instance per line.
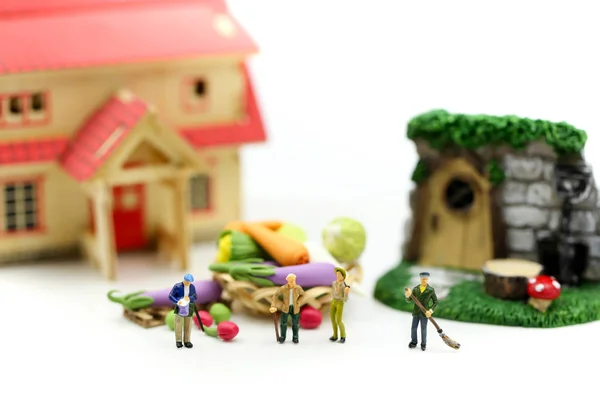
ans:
x=128 y=217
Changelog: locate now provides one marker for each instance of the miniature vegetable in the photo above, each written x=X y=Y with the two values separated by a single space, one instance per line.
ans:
x=205 y=318
x=170 y=320
x=235 y=245
x=310 y=318
x=239 y=225
x=211 y=331
x=220 y=312
x=282 y=249
x=207 y=291
x=227 y=330
x=319 y=254
x=293 y=232
x=345 y=239
x=542 y=290
x=307 y=275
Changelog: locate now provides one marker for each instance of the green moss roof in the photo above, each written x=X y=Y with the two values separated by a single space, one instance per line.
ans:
x=442 y=129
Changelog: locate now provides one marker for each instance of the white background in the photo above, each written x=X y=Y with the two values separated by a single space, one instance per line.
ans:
x=338 y=81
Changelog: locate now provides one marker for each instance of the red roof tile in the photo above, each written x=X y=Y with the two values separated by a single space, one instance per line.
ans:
x=19 y=7
x=250 y=129
x=101 y=134
x=32 y=150
x=55 y=34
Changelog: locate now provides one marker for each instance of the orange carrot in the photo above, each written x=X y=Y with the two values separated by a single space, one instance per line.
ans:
x=284 y=250
x=239 y=225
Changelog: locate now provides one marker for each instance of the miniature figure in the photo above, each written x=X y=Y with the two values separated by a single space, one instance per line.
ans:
x=425 y=295
x=289 y=305
x=339 y=295
x=184 y=296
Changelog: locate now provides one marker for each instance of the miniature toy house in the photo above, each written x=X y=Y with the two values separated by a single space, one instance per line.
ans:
x=120 y=126
x=485 y=189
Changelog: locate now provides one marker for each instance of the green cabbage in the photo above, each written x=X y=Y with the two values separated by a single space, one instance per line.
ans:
x=345 y=238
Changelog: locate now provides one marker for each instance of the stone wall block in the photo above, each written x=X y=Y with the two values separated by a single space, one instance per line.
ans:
x=540 y=194
x=521 y=240
x=523 y=168
x=514 y=192
x=526 y=216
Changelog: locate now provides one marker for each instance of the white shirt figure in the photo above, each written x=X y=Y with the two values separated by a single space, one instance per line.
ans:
x=186 y=290
x=291 y=298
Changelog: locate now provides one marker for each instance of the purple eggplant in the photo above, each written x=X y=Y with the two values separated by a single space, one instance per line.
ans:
x=207 y=292
x=307 y=275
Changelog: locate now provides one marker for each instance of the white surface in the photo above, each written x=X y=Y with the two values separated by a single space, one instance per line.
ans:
x=338 y=81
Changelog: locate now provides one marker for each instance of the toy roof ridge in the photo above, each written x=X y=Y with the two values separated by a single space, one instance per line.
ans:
x=101 y=134
x=36 y=36
x=441 y=129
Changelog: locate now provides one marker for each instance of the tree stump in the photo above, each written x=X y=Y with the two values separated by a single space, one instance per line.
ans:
x=506 y=279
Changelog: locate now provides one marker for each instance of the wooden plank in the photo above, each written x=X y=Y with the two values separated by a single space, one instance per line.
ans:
x=181 y=205
x=142 y=174
x=105 y=246
x=90 y=248
x=147 y=317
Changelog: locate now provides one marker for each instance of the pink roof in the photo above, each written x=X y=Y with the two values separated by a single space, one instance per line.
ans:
x=40 y=35
x=102 y=133
x=32 y=150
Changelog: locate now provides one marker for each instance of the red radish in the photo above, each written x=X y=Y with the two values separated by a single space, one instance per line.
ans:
x=310 y=318
x=227 y=330
x=205 y=318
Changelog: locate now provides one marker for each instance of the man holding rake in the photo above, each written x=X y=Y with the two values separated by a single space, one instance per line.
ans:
x=425 y=296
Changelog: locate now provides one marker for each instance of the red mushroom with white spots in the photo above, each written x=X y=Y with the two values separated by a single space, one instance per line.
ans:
x=542 y=290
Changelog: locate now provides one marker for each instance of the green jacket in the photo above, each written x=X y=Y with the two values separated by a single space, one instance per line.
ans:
x=428 y=299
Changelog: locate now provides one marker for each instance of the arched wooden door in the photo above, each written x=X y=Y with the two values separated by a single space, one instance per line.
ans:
x=456 y=229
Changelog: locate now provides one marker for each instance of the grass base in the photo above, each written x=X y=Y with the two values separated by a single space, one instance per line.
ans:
x=468 y=302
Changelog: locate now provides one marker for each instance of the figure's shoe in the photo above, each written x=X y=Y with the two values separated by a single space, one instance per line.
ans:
x=295 y=340
x=343 y=340
x=412 y=345
x=423 y=347
x=189 y=345
x=281 y=339
x=333 y=339
x=179 y=345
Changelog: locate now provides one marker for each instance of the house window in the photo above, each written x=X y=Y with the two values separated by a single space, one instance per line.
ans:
x=21 y=206
x=24 y=109
x=195 y=95
x=200 y=192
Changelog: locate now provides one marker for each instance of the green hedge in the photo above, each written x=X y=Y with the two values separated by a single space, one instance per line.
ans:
x=442 y=129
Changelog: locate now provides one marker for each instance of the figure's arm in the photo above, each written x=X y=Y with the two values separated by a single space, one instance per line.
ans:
x=434 y=301
x=172 y=295
x=275 y=298
x=409 y=298
x=300 y=293
x=345 y=292
x=193 y=294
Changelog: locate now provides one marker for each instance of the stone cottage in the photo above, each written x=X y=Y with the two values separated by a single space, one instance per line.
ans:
x=506 y=194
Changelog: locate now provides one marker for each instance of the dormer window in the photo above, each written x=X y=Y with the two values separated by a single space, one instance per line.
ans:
x=196 y=94
x=37 y=102
x=200 y=88
x=15 y=106
x=24 y=109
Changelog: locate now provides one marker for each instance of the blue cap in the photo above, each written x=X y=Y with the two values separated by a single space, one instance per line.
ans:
x=188 y=278
x=424 y=274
